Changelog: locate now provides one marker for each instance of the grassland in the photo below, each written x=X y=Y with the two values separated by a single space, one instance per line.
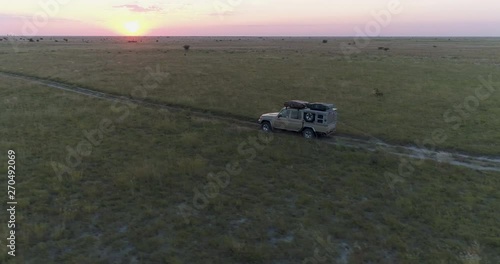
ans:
x=422 y=79
x=120 y=203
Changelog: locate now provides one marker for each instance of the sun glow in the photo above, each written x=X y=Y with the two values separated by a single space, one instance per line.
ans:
x=132 y=27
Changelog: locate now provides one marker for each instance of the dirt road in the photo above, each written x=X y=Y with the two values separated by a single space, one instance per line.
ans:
x=476 y=162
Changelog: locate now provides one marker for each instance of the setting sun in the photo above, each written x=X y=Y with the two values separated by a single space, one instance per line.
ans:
x=132 y=27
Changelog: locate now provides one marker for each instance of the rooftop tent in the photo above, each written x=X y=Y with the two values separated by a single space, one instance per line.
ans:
x=296 y=104
x=320 y=106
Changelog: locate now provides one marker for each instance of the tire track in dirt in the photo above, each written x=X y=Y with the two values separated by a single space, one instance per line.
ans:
x=475 y=162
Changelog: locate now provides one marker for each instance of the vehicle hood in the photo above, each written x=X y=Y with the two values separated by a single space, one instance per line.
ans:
x=270 y=115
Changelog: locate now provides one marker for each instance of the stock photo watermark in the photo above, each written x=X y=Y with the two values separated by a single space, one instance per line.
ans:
x=226 y=7
x=107 y=126
x=32 y=25
x=472 y=254
x=216 y=182
x=326 y=250
x=453 y=118
x=373 y=28
x=11 y=202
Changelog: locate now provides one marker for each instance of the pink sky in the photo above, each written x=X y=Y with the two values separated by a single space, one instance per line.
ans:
x=252 y=17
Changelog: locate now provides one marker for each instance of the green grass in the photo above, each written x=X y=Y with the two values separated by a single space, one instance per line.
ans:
x=251 y=76
x=120 y=204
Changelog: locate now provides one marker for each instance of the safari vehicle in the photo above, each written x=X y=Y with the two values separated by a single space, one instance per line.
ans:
x=310 y=119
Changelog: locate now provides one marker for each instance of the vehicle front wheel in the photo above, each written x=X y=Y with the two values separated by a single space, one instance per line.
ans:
x=308 y=133
x=266 y=127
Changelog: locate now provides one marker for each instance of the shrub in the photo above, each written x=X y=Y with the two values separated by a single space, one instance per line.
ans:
x=186 y=47
x=325 y=41
x=377 y=92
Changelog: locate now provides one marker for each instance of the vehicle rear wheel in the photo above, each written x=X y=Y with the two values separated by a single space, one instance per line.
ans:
x=308 y=133
x=266 y=127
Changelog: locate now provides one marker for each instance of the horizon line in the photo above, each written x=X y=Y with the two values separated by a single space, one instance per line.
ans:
x=260 y=36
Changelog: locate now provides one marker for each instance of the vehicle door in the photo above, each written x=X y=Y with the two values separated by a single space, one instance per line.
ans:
x=282 y=119
x=294 y=122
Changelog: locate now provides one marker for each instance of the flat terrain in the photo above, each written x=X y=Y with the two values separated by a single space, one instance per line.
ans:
x=428 y=84
x=151 y=187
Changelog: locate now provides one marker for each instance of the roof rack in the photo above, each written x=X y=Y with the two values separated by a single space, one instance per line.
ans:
x=296 y=104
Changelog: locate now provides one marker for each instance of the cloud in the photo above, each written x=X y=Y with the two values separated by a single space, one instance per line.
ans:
x=140 y=9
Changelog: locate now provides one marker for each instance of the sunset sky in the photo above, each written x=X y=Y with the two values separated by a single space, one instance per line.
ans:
x=249 y=17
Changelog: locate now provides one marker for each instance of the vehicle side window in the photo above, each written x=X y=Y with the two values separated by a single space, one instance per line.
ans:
x=285 y=113
x=320 y=119
x=294 y=114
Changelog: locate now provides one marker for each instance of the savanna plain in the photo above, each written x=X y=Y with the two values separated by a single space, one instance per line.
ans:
x=102 y=181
